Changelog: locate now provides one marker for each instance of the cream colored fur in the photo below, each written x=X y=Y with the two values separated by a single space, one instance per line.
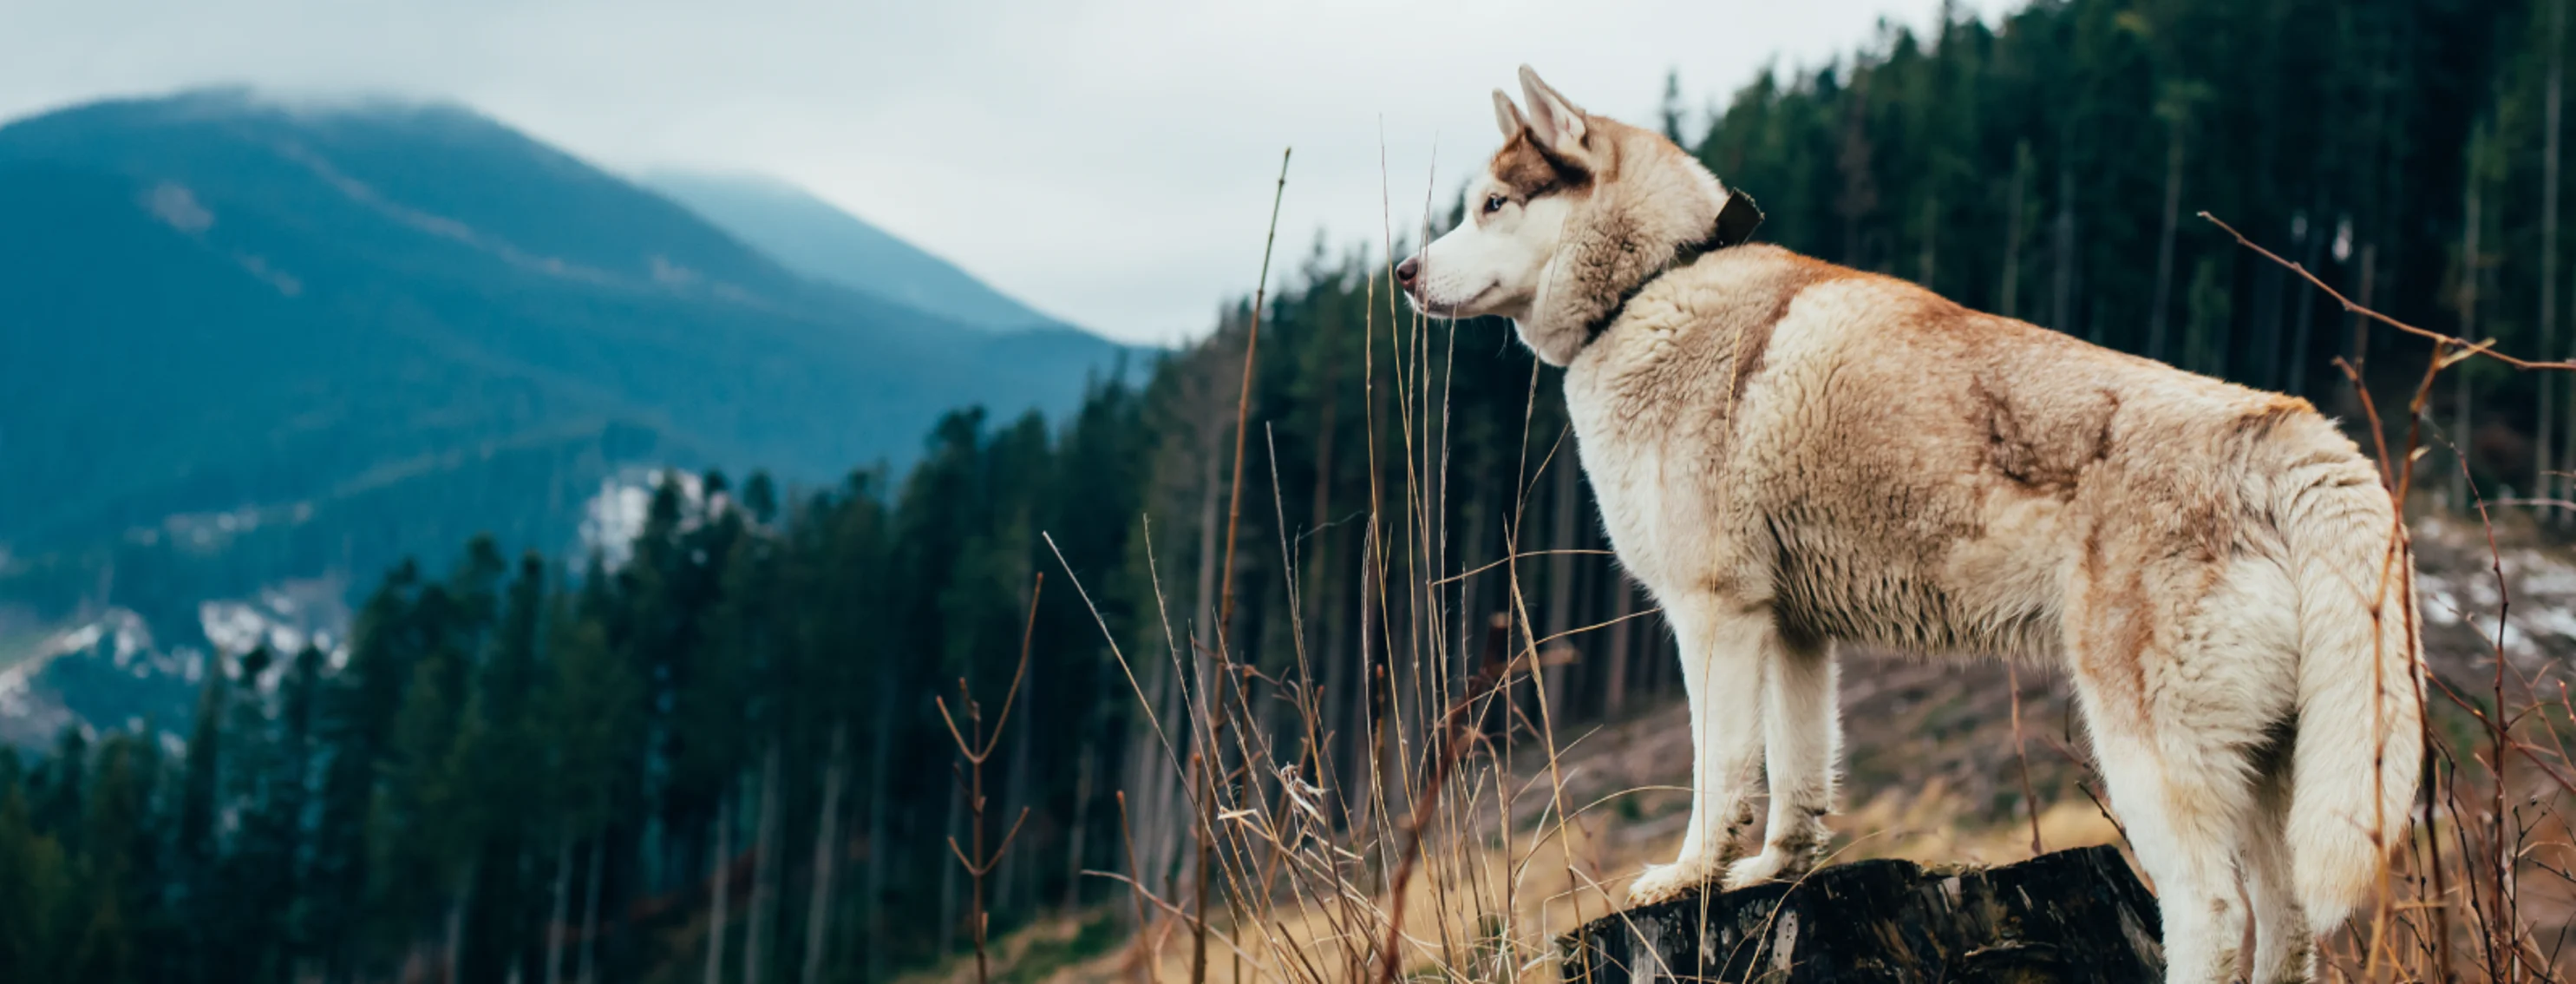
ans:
x=1789 y=454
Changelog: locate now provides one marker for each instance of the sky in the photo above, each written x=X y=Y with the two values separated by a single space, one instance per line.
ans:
x=1109 y=162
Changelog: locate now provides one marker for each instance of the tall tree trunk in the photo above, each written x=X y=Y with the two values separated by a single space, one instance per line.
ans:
x=2470 y=264
x=562 y=909
x=2209 y=342
x=1081 y=826
x=1324 y=432
x=2460 y=411
x=1366 y=735
x=2545 y=485
x=2061 y=288
x=827 y=854
x=590 y=909
x=872 y=884
x=1560 y=581
x=1614 y=697
x=1019 y=875
x=1203 y=604
x=2306 y=232
x=1336 y=674
x=1207 y=758
x=1147 y=774
x=716 y=921
x=2163 y=301
x=1462 y=656
x=763 y=880
x=2008 y=299
x=456 y=922
x=1860 y=190
x=949 y=918
x=2267 y=327
x=1318 y=580
x=2359 y=348
x=1931 y=240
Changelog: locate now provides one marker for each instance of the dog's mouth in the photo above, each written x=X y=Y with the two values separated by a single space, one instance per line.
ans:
x=1449 y=309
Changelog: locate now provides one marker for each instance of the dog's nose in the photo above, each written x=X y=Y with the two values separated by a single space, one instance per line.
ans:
x=1407 y=270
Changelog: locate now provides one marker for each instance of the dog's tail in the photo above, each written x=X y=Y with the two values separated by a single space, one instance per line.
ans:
x=2358 y=748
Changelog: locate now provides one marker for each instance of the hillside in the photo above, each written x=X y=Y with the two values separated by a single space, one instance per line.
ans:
x=247 y=341
x=814 y=238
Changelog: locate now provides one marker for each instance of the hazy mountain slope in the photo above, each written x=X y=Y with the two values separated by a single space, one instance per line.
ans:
x=371 y=329
x=814 y=238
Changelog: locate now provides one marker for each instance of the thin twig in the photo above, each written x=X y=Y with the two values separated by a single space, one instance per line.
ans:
x=2485 y=348
x=976 y=752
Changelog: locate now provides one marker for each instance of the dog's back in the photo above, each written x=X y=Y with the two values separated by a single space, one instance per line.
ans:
x=1924 y=474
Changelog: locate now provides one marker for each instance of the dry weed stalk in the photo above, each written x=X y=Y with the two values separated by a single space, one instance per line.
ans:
x=1306 y=871
x=976 y=751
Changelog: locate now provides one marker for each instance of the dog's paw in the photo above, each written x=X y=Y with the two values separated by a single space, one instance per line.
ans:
x=1771 y=865
x=1666 y=882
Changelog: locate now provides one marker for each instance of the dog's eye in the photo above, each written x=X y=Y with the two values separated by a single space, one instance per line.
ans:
x=1494 y=203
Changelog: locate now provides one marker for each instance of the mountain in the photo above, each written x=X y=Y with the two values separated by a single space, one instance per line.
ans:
x=814 y=238
x=244 y=341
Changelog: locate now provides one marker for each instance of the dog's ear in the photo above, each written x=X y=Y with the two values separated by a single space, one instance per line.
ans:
x=1556 y=122
x=1508 y=116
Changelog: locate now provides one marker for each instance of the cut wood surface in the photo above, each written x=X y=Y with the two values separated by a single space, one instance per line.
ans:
x=2068 y=917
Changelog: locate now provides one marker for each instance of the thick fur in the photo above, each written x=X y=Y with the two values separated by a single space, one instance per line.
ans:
x=1790 y=453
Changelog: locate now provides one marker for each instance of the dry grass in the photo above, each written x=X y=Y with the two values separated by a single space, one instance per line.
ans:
x=1623 y=778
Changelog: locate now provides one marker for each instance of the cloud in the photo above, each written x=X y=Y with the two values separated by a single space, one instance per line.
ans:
x=1110 y=162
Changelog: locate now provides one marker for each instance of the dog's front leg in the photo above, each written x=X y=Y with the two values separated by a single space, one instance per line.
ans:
x=1724 y=649
x=1802 y=735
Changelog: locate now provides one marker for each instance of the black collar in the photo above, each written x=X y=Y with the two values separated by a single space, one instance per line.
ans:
x=1736 y=221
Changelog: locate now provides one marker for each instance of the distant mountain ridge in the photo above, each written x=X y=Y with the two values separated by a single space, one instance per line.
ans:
x=242 y=342
x=818 y=240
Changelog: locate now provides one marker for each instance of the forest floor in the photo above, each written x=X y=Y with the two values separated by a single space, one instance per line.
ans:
x=1932 y=772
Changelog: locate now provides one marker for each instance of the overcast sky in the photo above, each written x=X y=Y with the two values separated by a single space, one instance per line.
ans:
x=1108 y=162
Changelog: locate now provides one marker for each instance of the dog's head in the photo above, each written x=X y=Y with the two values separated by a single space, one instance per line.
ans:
x=1574 y=211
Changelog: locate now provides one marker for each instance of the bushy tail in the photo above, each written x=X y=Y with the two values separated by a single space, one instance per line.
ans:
x=2359 y=748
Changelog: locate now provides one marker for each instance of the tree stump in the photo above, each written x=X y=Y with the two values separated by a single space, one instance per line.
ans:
x=2068 y=917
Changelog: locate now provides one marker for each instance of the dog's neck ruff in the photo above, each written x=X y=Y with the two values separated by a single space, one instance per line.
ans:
x=1736 y=221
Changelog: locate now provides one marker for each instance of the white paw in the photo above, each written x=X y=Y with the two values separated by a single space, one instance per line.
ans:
x=1770 y=864
x=1666 y=882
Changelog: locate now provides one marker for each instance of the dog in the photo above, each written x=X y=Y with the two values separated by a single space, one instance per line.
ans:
x=1790 y=454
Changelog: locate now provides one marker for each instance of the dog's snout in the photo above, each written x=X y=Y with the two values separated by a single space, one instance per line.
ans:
x=1407 y=271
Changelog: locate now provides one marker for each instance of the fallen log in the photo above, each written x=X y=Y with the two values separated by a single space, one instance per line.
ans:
x=2068 y=917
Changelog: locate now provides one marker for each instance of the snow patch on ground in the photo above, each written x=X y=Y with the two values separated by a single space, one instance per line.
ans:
x=109 y=671
x=616 y=514
x=117 y=637
x=2462 y=585
x=285 y=618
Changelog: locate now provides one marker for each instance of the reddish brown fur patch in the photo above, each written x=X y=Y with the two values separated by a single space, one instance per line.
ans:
x=1531 y=172
x=2274 y=409
x=1755 y=340
x=2046 y=453
x=2111 y=648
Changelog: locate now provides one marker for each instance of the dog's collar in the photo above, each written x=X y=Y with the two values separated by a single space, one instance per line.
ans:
x=1736 y=221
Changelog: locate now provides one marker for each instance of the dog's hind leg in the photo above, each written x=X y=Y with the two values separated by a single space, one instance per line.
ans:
x=1802 y=738
x=1725 y=649
x=2180 y=815
x=2284 y=945
x=2181 y=665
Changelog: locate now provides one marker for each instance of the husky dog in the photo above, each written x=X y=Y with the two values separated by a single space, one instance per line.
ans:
x=1788 y=453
